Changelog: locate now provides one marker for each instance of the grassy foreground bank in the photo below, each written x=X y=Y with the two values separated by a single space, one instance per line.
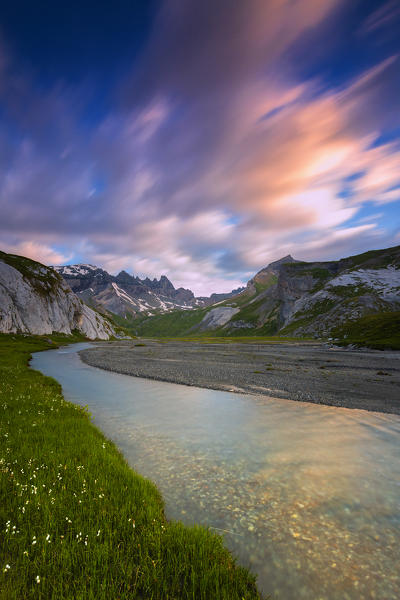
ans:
x=76 y=522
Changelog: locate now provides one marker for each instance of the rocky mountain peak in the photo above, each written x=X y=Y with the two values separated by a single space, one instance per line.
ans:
x=273 y=267
x=165 y=283
x=286 y=259
x=124 y=293
x=124 y=277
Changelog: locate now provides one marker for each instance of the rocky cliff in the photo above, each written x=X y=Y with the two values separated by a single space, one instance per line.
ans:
x=35 y=299
x=312 y=299
x=291 y=297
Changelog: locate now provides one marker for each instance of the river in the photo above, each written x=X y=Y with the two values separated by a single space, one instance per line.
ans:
x=307 y=496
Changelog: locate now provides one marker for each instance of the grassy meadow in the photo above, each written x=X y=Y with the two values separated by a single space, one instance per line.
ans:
x=76 y=522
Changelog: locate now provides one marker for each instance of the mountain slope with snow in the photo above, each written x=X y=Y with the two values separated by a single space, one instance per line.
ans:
x=290 y=297
x=127 y=295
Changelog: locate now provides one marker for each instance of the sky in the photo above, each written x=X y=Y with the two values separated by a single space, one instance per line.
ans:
x=200 y=140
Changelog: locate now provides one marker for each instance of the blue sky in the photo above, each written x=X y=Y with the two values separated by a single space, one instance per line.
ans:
x=199 y=140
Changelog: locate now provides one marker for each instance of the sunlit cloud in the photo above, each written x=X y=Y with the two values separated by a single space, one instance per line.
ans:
x=212 y=161
x=36 y=251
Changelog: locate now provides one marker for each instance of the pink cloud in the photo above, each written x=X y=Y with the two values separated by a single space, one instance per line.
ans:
x=37 y=251
x=218 y=161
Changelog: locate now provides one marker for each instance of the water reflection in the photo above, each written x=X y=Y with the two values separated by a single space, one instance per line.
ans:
x=308 y=496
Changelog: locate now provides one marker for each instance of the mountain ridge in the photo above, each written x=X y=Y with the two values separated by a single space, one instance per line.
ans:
x=305 y=299
x=288 y=297
x=128 y=295
x=34 y=299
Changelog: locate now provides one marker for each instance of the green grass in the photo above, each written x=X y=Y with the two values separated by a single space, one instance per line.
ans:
x=320 y=273
x=240 y=300
x=43 y=279
x=306 y=317
x=261 y=287
x=250 y=313
x=177 y=322
x=352 y=291
x=76 y=522
x=380 y=331
x=126 y=325
x=376 y=258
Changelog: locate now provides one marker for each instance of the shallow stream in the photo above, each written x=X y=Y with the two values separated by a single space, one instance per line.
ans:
x=307 y=496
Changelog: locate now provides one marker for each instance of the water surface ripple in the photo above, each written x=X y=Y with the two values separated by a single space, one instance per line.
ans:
x=307 y=496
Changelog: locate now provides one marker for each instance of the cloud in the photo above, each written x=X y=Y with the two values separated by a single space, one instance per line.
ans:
x=39 y=252
x=381 y=17
x=217 y=158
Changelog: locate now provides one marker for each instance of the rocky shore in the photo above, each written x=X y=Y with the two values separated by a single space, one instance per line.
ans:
x=303 y=371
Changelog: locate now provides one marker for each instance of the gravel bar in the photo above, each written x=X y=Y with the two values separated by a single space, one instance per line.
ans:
x=305 y=371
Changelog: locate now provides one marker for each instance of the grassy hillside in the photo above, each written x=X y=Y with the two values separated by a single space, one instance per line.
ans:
x=181 y=323
x=374 y=258
x=42 y=278
x=177 y=322
x=262 y=304
x=380 y=331
x=76 y=522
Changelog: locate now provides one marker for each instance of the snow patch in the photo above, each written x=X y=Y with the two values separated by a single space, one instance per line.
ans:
x=121 y=294
x=385 y=281
x=75 y=270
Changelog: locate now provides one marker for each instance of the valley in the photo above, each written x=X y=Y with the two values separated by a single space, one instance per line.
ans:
x=321 y=333
x=305 y=300
x=354 y=300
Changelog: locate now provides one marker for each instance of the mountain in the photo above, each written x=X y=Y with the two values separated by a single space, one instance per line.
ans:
x=214 y=298
x=35 y=299
x=342 y=299
x=317 y=299
x=127 y=295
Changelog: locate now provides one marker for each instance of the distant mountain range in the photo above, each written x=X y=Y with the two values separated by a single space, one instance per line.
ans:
x=127 y=295
x=338 y=299
x=291 y=297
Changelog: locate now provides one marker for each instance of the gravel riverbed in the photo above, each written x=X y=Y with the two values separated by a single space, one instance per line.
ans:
x=304 y=371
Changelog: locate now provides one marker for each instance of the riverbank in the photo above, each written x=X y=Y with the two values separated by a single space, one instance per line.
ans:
x=302 y=371
x=75 y=520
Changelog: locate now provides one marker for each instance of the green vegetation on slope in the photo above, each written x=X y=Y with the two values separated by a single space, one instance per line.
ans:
x=126 y=324
x=306 y=317
x=251 y=313
x=177 y=322
x=375 y=258
x=42 y=279
x=380 y=331
x=265 y=285
x=304 y=268
x=76 y=522
x=259 y=313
